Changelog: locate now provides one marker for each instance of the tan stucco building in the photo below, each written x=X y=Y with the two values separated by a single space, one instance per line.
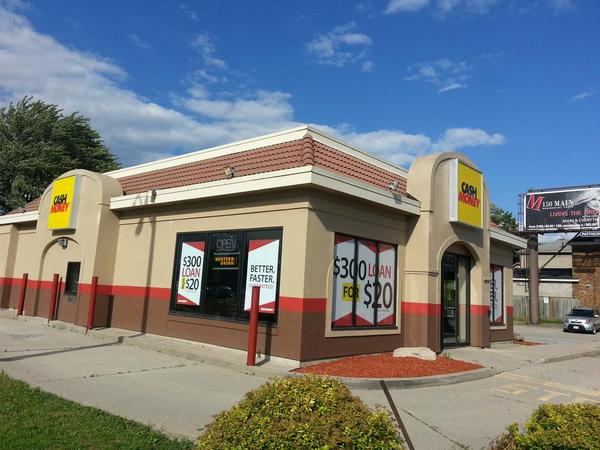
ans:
x=353 y=254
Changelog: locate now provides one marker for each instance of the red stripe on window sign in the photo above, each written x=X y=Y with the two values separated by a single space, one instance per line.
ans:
x=299 y=304
x=344 y=321
x=258 y=243
x=199 y=245
x=421 y=309
x=339 y=238
x=369 y=244
x=389 y=320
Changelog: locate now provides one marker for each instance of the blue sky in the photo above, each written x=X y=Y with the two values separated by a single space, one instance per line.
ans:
x=514 y=84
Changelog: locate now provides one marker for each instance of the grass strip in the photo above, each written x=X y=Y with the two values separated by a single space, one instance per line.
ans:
x=33 y=419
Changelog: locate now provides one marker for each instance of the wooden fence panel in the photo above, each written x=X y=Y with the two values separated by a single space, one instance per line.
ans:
x=551 y=308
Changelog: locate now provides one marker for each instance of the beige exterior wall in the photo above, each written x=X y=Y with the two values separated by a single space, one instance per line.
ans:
x=146 y=238
x=132 y=252
x=430 y=237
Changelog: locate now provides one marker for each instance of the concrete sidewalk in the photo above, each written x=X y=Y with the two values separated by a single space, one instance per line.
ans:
x=557 y=346
x=502 y=357
x=178 y=386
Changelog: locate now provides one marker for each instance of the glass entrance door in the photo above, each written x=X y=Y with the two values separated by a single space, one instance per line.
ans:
x=455 y=299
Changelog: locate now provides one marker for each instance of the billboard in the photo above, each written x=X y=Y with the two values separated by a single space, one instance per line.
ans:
x=570 y=209
x=63 y=204
x=466 y=194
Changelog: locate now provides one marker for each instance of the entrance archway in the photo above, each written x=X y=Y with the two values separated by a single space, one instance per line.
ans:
x=56 y=259
x=455 y=298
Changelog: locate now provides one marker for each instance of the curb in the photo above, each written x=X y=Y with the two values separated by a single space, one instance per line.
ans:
x=588 y=353
x=429 y=381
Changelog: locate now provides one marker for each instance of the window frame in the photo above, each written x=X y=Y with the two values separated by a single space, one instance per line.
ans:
x=72 y=290
x=357 y=328
x=493 y=322
x=240 y=315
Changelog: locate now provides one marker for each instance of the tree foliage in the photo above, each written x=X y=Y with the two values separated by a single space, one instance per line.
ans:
x=38 y=143
x=504 y=219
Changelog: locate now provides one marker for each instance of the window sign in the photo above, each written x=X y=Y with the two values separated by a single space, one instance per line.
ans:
x=386 y=274
x=364 y=283
x=189 y=284
x=496 y=296
x=262 y=270
x=343 y=282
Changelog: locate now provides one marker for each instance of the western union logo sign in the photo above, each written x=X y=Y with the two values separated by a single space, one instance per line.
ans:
x=466 y=194
x=62 y=212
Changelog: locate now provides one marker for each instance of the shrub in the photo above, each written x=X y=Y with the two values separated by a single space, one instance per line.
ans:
x=301 y=413
x=566 y=427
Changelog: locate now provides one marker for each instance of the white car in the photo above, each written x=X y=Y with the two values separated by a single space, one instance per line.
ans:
x=582 y=319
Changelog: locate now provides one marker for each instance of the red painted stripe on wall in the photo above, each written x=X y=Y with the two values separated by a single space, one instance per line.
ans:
x=420 y=308
x=154 y=293
x=302 y=305
x=479 y=310
x=31 y=283
x=6 y=281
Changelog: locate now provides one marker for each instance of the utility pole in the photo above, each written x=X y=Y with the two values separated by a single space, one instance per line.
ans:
x=534 y=280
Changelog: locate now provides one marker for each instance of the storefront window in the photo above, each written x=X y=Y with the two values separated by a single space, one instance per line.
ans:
x=496 y=295
x=72 y=278
x=214 y=273
x=364 y=283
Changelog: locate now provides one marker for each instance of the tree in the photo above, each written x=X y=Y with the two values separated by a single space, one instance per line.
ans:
x=38 y=143
x=504 y=219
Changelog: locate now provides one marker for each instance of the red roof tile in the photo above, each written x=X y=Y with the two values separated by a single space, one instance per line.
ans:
x=287 y=155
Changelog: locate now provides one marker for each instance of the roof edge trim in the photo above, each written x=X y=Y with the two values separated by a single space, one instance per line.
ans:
x=294 y=177
x=507 y=238
x=30 y=216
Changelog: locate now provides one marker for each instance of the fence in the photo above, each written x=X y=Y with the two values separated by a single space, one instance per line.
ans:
x=551 y=308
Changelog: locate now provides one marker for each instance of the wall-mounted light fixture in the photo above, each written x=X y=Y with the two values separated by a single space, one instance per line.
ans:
x=229 y=172
x=63 y=242
x=151 y=194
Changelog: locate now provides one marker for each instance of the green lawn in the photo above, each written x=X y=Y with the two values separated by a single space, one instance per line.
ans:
x=33 y=419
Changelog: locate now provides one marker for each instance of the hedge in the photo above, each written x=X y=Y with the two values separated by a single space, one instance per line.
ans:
x=565 y=427
x=310 y=412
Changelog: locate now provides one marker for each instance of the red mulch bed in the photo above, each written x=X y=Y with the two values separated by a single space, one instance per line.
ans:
x=384 y=365
x=528 y=343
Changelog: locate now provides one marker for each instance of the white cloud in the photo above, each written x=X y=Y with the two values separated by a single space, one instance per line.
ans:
x=445 y=8
x=367 y=66
x=455 y=138
x=396 y=6
x=341 y=46
x=402 y=148
x=184 y=8
x=444 y=73
x=471 y=6
x=138 y=129
x=562 y=5
x=135 y=40
x=204 y=45
x=584 y=95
